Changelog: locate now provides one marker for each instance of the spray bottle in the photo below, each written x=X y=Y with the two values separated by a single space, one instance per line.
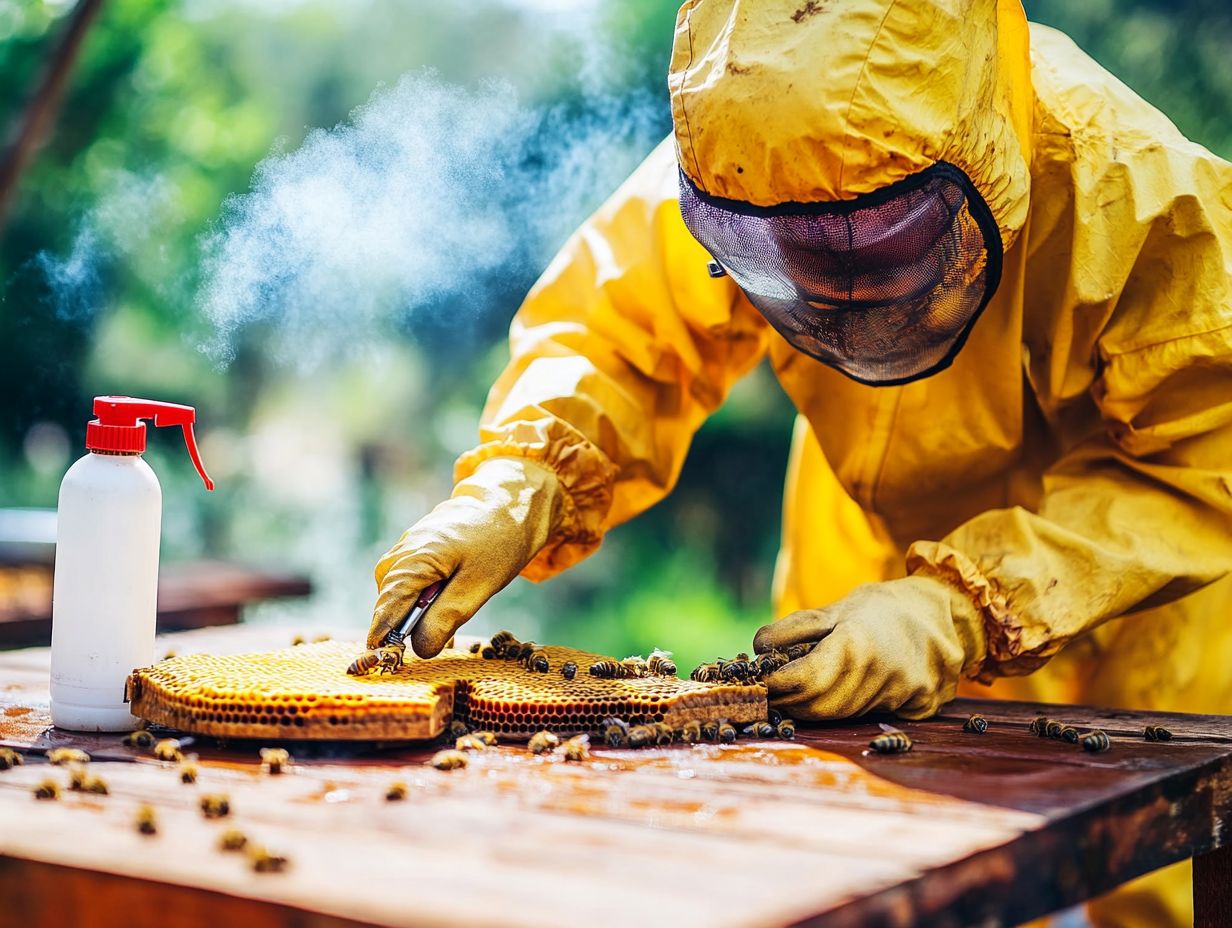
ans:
x=106 y=581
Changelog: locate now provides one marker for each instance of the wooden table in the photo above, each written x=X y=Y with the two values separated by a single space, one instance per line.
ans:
x=965 y=829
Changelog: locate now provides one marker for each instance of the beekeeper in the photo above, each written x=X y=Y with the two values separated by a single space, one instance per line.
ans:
x=997 y=285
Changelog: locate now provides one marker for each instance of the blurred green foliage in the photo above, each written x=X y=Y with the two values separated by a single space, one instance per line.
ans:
x=169 y=110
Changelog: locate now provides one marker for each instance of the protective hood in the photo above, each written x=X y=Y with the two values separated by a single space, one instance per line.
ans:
x=814 y=101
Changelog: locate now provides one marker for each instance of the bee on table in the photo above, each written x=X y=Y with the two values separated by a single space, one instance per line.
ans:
x=692 y=732
x=64 y=756
x=1156 y=733
x=615 y=732
x=297 y=640
x=660 y=663
x=775 y=716
x=146 y=821
x=891 y=741
x=576 y=749
x=663 y=733
x=797 y=651
x=542 y=741
x=607 y=670
x=138 y=739
x=1069 y=733
x=232 y=840
x=396 y=792
x=976 y=724
x=264 y=861
x=487 y=737
x=1054 y=728
x=48 y=789
x=785 y=729
x=80 y=780
x=188 y=771
x=635 y=666
x=726 y=732
x=706 y=673
x=1095 y=741
x=448 y=760
x=1038 y=726
x=710 y=730
x=537 y=662
x=168 y=750
x=470 y=743
x=95 y=784
x=215 y=805
x=275 y=760
x=10 y=758
x=641 y=735
x=759 y=730
x=568 y=670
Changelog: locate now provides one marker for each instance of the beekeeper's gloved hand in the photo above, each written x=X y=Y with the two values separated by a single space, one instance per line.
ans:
x=482 y=536
x=899 y=645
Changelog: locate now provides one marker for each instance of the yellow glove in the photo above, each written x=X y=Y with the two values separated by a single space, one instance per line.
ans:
x=899 y=645
x=482 y=536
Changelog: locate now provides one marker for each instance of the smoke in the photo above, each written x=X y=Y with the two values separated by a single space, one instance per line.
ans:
x=428 y=200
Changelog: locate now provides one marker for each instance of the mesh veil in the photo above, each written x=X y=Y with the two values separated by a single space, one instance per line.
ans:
x=885 y=287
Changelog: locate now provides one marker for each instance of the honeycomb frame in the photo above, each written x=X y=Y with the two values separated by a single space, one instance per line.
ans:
x=304 y=693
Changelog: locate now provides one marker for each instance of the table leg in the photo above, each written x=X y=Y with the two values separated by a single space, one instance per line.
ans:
x=1212 y=888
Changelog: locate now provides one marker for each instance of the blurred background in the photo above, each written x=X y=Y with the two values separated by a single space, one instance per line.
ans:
x=313 y=220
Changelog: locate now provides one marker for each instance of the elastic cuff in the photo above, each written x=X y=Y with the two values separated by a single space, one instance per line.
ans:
x=1004 y=630
x=585 y=476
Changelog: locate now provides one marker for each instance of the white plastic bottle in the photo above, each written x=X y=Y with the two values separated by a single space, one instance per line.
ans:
x=106 y=581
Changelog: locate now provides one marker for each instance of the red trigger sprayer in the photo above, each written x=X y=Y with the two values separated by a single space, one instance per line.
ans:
x=106 y=583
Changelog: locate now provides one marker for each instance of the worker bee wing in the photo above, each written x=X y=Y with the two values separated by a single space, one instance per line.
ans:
x=889 y=729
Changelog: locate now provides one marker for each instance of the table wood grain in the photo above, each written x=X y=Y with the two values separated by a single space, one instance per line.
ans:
x=965 y=829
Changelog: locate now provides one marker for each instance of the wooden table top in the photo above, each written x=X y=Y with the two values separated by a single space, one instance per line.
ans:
x=965 y=828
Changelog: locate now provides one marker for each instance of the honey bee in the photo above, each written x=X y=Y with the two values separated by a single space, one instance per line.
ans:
x=891 y=741
x=10 y=758
x=138 y=739
x=607 y=670
x=448 y=760
x=739 y=668
x=692 y=732
x=726 y=732
x=188 y=771
x=146 y=821
x=385 y=659
x=48 y=789
x=77 y=776
x=521 y=651
x=1069 y=733
x=768 y=663
x=660 y=663
x=470 y=743
x=663 y=733
x=759 y=730
x=785 y=729
x=775 y=716
x=487 y=737
x=62 y=757
x=488 y=653
x=1054 y=728
x=264 y=861
x=232 y=840
x=706 y=673
x=797 y=651
x=976 y=724
x=297 y=641
x=168 y=750
x=641 y=735
x=1156 y=733
x=576 y=749
x=275 y=760
x=501 y=640
x=568 y=670
x=710 y=730
x=635 y=666
x=396 y=792
x=1095 y=741
x=458 y=729
x=542 y=741
x=215 y=805
x=170 y=654
x=1039 y=726
x=95 y=784
x=537 y=662
x=615 y=732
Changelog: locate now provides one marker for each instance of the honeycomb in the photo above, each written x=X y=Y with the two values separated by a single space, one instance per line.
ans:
x=305 y=693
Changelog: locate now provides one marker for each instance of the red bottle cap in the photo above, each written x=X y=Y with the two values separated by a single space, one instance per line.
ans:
x=118 y=427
